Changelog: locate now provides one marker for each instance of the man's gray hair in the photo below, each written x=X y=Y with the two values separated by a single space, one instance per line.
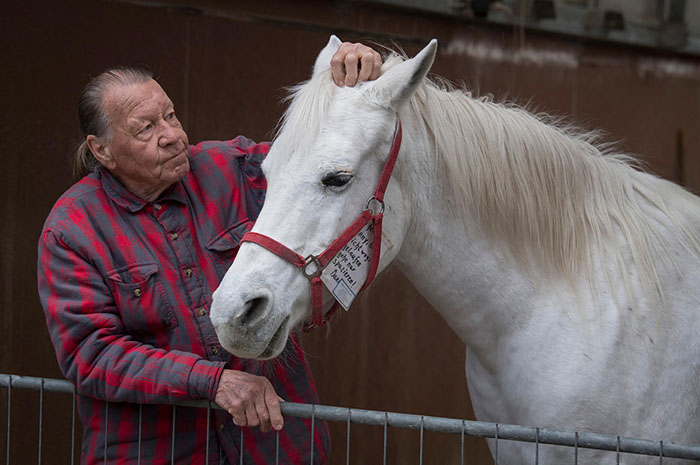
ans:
x=93 y=119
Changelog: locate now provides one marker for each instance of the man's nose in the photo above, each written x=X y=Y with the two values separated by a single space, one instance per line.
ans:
x=168 y=135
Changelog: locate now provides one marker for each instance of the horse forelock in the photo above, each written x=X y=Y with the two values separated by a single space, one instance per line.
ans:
x=309 y=103
x=553 y=194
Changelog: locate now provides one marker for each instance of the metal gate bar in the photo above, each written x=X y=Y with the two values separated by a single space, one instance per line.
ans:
x=418 y=422
x=500 y=431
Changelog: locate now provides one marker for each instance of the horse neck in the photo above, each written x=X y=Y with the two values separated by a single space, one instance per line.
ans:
x=473 y=285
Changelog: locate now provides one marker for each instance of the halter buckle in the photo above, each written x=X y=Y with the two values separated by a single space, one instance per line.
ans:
x=377 y=204
x=312 y=260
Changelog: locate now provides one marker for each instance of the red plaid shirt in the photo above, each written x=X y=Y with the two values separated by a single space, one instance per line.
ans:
x=126 y=286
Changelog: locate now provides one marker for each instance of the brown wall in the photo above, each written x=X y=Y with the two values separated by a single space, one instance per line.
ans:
x=224 y=67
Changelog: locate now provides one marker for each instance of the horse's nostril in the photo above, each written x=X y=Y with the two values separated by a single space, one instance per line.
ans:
x=253 y=310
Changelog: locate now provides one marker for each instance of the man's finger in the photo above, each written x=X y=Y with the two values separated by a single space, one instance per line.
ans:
x=351 y=64
x=239 y=418
x=366 y=65
x=263 y=414
x=236 y=410
x=338 y=67
x=251 y=415
x=376 y=68
x=272 y=400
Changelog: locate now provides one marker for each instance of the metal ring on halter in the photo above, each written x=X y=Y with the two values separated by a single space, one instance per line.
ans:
x=373 y=201
x=312 y=259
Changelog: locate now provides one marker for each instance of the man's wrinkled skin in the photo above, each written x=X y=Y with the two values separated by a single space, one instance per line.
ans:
x=146 y=149
x=251 y=400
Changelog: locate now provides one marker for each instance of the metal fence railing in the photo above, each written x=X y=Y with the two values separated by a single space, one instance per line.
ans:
x=498 y=432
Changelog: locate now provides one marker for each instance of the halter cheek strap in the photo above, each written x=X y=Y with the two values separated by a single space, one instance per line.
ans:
x=313 y=265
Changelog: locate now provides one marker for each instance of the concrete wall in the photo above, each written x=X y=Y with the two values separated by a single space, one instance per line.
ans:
x=224 y=65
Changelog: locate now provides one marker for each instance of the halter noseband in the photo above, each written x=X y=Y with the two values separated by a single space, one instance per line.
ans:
x=313 y=265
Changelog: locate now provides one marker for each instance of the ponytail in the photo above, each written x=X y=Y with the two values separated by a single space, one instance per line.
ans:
x=84 y=162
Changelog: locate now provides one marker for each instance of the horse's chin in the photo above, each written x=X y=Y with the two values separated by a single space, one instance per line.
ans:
x=277 y=343
x=254 y=348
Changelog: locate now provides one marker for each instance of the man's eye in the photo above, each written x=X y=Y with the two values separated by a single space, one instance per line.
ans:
x=146 y=128
x=170 y=115
x=336 y=179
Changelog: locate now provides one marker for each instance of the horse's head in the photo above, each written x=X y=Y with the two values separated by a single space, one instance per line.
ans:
x=321 y=170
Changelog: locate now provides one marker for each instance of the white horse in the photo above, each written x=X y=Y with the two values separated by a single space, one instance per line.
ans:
x=572 y=277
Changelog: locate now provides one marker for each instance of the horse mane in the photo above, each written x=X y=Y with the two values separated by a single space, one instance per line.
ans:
x=554 y=195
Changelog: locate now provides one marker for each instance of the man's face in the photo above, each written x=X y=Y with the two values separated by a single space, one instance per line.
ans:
x=148 y=151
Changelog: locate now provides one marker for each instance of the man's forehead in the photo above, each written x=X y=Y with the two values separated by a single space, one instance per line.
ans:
x=136 y=99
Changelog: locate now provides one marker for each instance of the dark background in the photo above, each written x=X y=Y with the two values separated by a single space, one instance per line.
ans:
x=224 y=64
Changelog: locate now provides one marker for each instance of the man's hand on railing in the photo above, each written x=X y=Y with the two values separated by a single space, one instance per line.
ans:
x=250 y=400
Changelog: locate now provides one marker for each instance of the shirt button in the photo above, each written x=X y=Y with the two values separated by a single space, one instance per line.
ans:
x=174 y=235
x=189 y=272
x=201 y=311
x=214 y=350
x=137 y=292
x=157 y=206
x=221 y=427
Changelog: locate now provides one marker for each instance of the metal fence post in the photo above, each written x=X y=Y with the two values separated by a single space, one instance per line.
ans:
x=138 y=452
x=41 y=417
x=313 y=420
x=277 y=448
x=347 y=442
x=206 y=451
x=386 y=426
x=72 y=428
x=242 y=447
x=172 y=439
x=422 y=427
x=9 y=410
x=106 y=429
x=496 y=447
x=461 y=454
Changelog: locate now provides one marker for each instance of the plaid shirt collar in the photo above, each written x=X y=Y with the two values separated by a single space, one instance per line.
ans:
x=130 y=202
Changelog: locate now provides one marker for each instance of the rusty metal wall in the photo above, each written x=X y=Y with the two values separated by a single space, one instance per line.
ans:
x=224 y=65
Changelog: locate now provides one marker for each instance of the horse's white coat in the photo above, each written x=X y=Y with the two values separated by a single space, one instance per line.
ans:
x=605 y=344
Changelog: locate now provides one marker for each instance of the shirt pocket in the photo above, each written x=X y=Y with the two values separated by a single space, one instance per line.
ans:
x=224 y=246
x=141 y=301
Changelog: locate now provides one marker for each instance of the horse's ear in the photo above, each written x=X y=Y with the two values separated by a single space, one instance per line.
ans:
x=397 y=84
x=323 y=61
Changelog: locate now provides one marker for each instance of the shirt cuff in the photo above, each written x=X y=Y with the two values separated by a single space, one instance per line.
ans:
x=204 y=379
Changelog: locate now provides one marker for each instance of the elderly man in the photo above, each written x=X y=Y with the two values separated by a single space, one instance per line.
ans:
x=128 y=260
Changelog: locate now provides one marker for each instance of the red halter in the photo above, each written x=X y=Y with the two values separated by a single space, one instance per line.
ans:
x=320 y=261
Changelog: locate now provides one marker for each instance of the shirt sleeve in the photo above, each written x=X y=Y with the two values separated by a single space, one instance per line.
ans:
x=253 y=181
x=92 y=346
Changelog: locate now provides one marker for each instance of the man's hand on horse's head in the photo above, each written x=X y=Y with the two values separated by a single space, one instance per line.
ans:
x=353 y=63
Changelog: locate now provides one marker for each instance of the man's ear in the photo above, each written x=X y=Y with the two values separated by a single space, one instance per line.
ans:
x=101 y=151
x=323 y=61
x=398 y=83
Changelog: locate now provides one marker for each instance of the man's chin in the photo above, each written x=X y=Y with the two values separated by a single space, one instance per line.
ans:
x=181 y=168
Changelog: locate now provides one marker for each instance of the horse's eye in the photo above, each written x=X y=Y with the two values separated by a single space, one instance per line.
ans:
x=336 y=179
